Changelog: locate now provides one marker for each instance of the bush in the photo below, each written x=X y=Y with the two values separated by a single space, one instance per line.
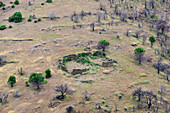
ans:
x=11 y=2
x=48 y=73
x=11 y=80
x=39 y=19
x=12 y=6
x=29 y=20
x=49 y=1
x=42 y=3
x=103 y=101
x=16 y=17
x=45 y=81
x=26 y=84
x=2 y=27
x=3 y=8
x=16 y=2
x=10 y=26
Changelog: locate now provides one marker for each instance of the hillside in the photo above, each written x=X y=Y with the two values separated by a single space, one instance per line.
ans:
x=90 y=46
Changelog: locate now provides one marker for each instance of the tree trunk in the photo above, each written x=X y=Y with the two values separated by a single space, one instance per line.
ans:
x=38 y=87
x=12 y=85
x=151 y=44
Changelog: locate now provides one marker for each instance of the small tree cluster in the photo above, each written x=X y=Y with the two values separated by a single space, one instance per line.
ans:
x=16 y=17
x=146 y=99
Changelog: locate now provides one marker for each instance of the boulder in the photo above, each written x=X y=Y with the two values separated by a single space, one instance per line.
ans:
x=2 y=59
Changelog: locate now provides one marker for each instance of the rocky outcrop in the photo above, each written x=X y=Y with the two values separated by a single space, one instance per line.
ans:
x=78 y=71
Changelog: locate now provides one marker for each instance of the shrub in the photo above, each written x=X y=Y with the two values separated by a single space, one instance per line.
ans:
x=11 y=2
x=2 y=27
x=12 y=6
x=42 y=3
x=16 y=2
x=11 y=80
x=103 y=101
x=10 y=26
x=26 y=83
x=45 y=81
x=106 y=105
x=48 y=73
x=16 y=17
x=39 y=19
x=49 y=1
x=4 y=5
x=29 y=20
x=3 y=8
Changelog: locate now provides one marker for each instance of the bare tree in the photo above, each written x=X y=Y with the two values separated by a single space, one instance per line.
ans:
x=92 y=25
x=144 y=39
x=64 y=90
x=20 y=71
x=161 y=25
x=86 y=95
x=52 y=15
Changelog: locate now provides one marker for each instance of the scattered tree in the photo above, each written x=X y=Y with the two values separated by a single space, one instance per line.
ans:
x=36 y=79
x=64 y=90
x=139 y=52
x=11 y=80
x=49 y=1
x=152 y=40
x=102 y=44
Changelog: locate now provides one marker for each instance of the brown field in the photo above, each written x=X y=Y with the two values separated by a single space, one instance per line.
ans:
x=60 y=40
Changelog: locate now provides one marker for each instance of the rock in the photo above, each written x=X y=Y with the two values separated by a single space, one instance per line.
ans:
x=37 y=46
x=78 y=71
x=16 y=94
x=106 y=72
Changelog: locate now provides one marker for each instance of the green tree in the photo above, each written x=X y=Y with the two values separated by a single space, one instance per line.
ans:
x=48 y=73
x=16 y=2
x=36 y=79
x=139 y=52
x=152 y=40
x=102 y=44
x=16 y=17
x=11 y=80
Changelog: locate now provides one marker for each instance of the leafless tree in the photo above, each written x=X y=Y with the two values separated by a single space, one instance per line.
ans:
x=20 y=71
x=64 y=90
x=52 y=15
x=92 y=25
